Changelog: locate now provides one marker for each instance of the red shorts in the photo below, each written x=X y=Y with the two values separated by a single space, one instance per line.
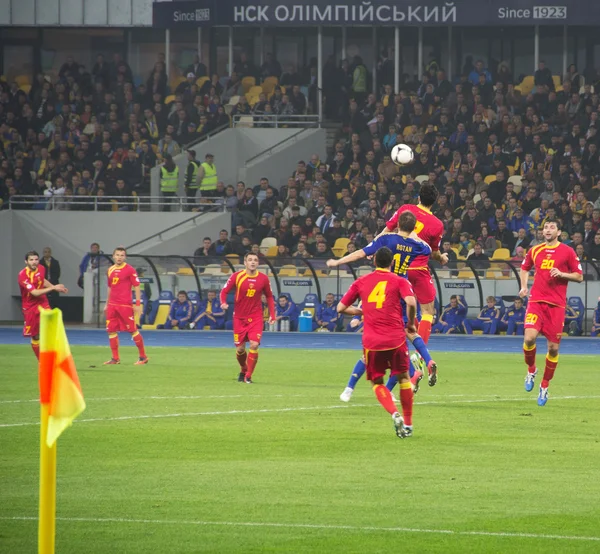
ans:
x=120 y=318
x=379 y=361
x=245 y=330
x=422 y=283
x=547 y=319
x=31 y=327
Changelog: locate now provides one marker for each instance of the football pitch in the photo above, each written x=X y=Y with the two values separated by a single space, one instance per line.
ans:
x=176 y=457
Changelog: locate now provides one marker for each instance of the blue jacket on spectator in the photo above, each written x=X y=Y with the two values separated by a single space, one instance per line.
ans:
x=514 y=319
x=596 y=321
x=214 y=317
x=180 y=312
x=487 y=321
x=452 y=319
x=327 y=314
x=524 y=222
x=290 y=311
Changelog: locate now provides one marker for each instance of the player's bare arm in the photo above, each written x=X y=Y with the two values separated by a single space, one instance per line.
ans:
x=58 y=287
x=439 y=257
x=358 y=255
x=137 y=309
x=524 y=275
x=350 y=310
x=41 y=292
x=574 y=277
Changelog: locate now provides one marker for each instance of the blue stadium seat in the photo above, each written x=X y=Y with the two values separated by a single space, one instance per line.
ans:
x=577 y=304
x=164 y=299
x=287 y=295
x=501 y=305
x=194 y=298
x=311 y=299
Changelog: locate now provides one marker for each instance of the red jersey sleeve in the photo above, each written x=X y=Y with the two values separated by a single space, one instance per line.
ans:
x=133 y=277
x=230 y=285
x=405 y=287
x=528 y=261
x=573 y=263
x=352 y=295
x=392 y=222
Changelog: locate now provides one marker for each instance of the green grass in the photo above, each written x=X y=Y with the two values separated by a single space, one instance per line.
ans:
x=484 y=458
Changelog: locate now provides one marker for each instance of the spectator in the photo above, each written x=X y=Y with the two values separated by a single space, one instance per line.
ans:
x=197 y=68
x=223 y=246
x=210 y=314
x=180 y=313
x=89 y=262
x=594 y=249
x=487 y=320
x=208 y=249
x=52 y=267
x=286 y=310
x=478 y=259
x=327 y=317
x=543 y=76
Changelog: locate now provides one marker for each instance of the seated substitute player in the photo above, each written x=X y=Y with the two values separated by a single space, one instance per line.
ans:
x=286 y=309
x=487 y=320
x=327 y=316
x=555 y=265
x=249 y=286
x=513 y=319
x=119 y=310
x=430 y=229
x=384 y=336
x=180 y=313
x=596 y=321
x=34 y=287
x=452 y=318
x=209 y=313
x=406 y=246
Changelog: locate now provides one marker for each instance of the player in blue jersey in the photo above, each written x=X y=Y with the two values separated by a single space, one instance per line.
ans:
x=405 y=246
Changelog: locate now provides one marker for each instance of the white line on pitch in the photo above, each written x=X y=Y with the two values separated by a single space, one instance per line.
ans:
x=295 y=409
x=314 y=526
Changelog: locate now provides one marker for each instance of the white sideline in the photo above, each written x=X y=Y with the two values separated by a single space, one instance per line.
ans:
x=296 y=409
x=313 y=526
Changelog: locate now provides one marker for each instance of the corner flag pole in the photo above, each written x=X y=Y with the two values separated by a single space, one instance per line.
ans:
x=47 y=512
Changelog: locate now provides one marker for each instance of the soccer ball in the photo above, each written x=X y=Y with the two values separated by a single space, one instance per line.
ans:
x=417 y=361
x=402 y=154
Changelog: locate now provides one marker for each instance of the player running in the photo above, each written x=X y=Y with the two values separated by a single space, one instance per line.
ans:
x=250 y=285
x=384 y=337
x=430 y=229
x=406 y=247
x=34 y=287
x=119 y=309
x=555 y=265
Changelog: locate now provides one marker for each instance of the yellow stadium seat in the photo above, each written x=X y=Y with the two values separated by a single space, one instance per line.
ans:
x=271 y=251
x=176 y=82
x=233 y=257
x=248 y=83
x=201 y=80
x=490 y=179
x=246 y=121
x=22 y=80
x=256 y=90
x=465 y=274
x=212 y=269
x=269 y=84
x=161 y=317
x=557 y=82
x=185 y=271
x=288 y=271
x=526 y=85
x=169 y=99
x=25 y=88
x=341 y=244
x=501 y=254
x=420 y=178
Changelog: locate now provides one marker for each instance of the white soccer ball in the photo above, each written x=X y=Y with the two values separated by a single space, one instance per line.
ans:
x=417 y=361
x=402 y=154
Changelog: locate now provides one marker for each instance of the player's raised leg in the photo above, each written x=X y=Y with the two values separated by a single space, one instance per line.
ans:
x=357 y=373
x=529 y=351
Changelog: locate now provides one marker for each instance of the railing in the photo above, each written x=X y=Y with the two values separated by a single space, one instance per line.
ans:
x=115 y=204
x=274 y=121
x=269 y=152
x=206 y=137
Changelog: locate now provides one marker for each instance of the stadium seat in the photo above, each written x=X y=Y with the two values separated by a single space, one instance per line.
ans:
x=265 y=269
x=175 y=82
x=288 y=271
x=169 y=99
x=465 y=274
x=22 y=80
x=160 y=310
x=266 y=243
x=420 y=178
x=517 y=181
x=363 y=271
x=310 y=303
x=500 y=305
x=255 y=91
x=246 y=121
x=340 y=247
x=489 y=179
x=201 y=80
x=194 y=298
x=271 y=252
x=212 y=269
x=476 y=198
x=577 y=304
x=269 y=85
x=526 y=85
x=25 y=88
x=501 y=254
x=185 y=271
x=247 y=83
x=557 y=82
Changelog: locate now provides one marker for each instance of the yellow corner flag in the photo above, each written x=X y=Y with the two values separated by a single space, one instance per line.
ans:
x=61 y=402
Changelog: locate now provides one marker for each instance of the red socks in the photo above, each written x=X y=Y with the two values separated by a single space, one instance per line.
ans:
x=139 y=342
x=529 y=352
x=549 y=370
x=424 y=329
x=113 y=339
x=252 y=360
x=35 y=346
x=406 y=399
x=385 y=398
x=241 y=358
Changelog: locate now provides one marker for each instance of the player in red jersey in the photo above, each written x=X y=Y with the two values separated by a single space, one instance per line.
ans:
x=555 y=265
x=429 y=229
x=119 y=310
x=250 y=285
x=34 y=287
x=384 y=335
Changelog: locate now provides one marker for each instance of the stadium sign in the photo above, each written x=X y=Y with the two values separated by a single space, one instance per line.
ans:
x=297 y=282
x=459 y=285
x=194 y=13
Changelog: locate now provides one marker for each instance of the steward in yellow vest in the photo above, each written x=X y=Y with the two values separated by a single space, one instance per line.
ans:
x=207 y=176
x=191 y=179
x=169 y=182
